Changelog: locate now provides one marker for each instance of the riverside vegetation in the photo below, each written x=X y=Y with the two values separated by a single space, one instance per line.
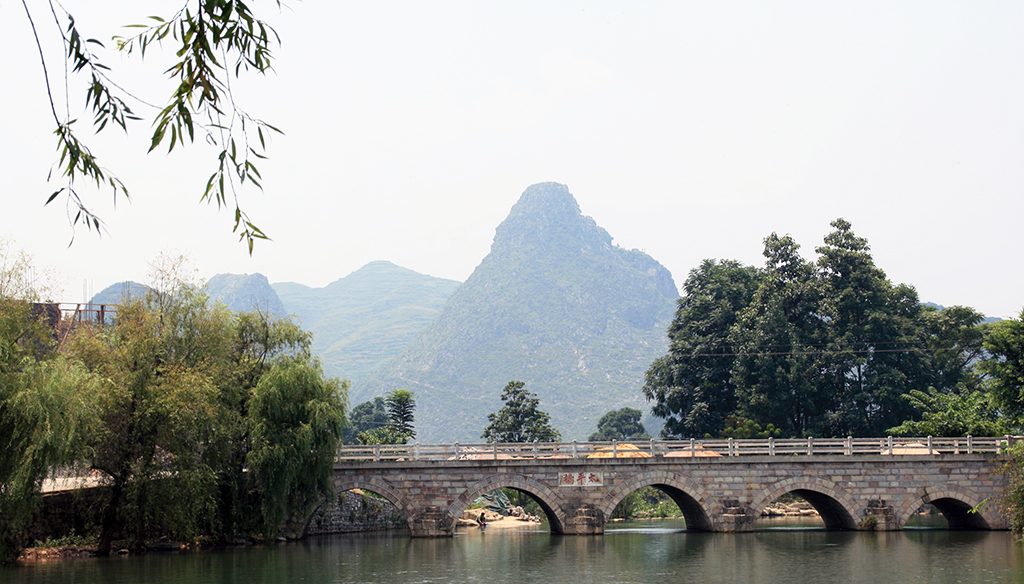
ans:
x=197 y=421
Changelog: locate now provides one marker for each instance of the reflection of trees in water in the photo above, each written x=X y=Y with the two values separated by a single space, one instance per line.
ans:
x=927 y=517
x=513 y=556
x=662 y=500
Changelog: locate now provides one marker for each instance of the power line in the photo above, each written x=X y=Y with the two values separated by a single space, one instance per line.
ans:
x=815 y=352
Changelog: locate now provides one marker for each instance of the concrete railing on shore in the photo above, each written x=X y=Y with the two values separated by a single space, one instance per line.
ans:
x=638 y=449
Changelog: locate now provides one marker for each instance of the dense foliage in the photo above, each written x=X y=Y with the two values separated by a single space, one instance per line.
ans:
x=399 y=408
x=365 y=417
x=46 y=409
x=194 y=419
x=295 y=415
x=520 y=419
x=621 y=424
x=829 y=348
x=695 y=395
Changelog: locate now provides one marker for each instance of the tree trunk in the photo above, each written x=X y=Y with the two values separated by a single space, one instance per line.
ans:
x=138 y=542
x=109 y=522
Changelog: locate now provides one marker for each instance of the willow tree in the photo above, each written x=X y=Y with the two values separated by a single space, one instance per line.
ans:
x=159 y=415
x=296 y=416
x=46 y=400
x=46 y=412
x=258 y=343
x=209 y=422
x=213 y=44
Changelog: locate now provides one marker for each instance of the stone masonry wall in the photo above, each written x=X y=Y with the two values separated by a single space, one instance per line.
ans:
x=718 y=494
x=352 y=512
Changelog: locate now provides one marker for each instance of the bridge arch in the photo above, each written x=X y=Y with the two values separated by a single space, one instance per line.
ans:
x=374 y=485
x=686 y=494
x=833 y=503
x=548 y=500
x=962 y=508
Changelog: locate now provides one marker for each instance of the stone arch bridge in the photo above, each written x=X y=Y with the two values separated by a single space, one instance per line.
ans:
x=864 y=483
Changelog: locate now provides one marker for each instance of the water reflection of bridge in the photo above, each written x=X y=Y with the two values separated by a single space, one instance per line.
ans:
x=719 y=485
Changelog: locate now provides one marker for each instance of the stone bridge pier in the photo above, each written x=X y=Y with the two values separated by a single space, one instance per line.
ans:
x=715 y=494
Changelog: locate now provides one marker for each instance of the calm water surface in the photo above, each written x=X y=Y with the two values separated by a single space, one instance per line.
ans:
x=645 y=552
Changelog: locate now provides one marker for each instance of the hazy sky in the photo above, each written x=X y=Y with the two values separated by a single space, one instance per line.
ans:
x=686 y=129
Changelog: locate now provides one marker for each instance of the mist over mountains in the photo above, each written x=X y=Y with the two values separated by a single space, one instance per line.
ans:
x=118 y=292
x=245 y=292
x=361 y=321
x=554 y=304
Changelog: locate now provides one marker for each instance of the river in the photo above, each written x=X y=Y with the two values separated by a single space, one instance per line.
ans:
x=640 y=552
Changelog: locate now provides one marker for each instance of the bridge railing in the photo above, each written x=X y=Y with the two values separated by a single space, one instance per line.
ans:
x=849 y=446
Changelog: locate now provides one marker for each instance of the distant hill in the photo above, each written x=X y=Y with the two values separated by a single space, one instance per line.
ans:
x=368 y=317
x=554 y=304
x=245 y=292
x=119 y=292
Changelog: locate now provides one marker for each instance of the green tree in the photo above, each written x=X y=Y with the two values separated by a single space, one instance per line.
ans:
x=401 y=413
x=520 y=419
x=159 y=415
x=46 y=400
x=778 y=337
x=825 y=348
x=951 y=413
x=953 y=340
x=46 y=410
x=692 y=386
x=385 y=420
x=743 y=428
x=873 y=333
x=193 y=436
x=1005 y=366
x=257 y=344
x=383 y=435
x=296 y=416
x=214 y=42
x=621 y=424
x=365 y=417
x=202 y=421
x=1013 y=500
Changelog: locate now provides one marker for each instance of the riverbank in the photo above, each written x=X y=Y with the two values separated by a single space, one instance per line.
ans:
x=511 y=523
x=519 y=518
